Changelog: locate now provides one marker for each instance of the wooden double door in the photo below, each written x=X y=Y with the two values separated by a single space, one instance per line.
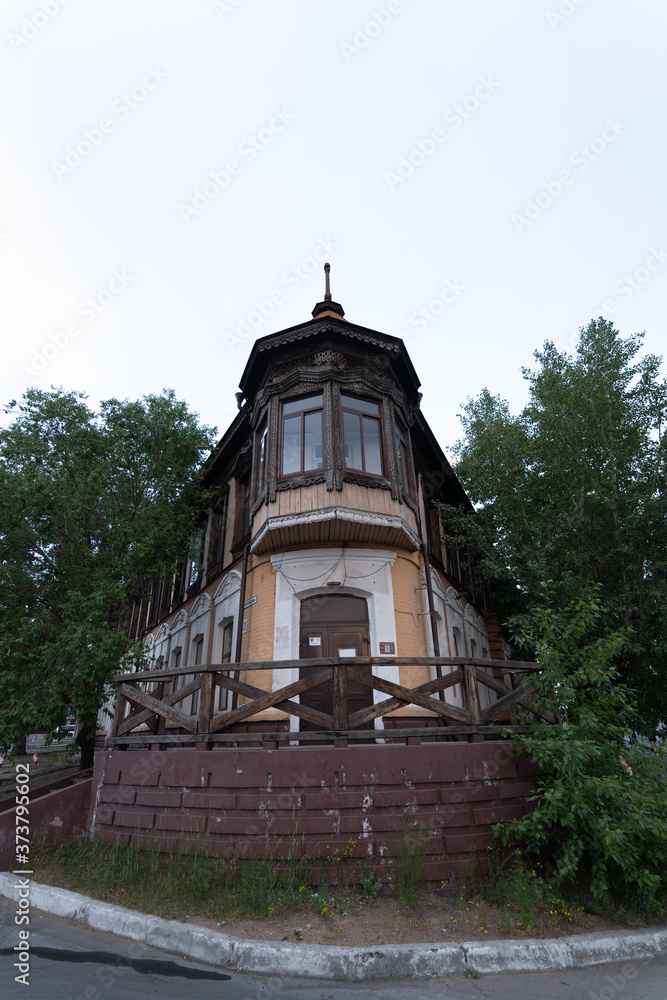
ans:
x=334 y=625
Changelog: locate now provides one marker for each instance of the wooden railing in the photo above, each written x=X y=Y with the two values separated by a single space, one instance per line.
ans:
x=142 y=715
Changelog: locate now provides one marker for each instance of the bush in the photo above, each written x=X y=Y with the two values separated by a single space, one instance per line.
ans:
x=602 y=797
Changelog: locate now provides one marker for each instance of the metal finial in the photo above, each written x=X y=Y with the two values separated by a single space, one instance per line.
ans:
x=327 y=289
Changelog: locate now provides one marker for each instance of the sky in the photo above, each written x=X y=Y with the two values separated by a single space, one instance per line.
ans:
x=481 y=175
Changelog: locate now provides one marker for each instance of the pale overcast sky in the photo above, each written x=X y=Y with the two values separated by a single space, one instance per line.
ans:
x=482 y=175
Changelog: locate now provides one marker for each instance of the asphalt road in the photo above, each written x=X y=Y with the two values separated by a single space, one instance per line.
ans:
x=70 y=962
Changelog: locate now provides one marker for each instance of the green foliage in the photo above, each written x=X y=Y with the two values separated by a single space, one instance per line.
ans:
x=368 y=881
x=409 y=865
x=92 y=506
x=602 y=800
x=574 y=490
x=524 y=892
x=177 y=884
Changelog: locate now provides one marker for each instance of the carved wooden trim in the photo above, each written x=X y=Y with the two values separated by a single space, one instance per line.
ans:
x=308 y=479
x=337 y=429
x=328 y=431
x=272 y=443
x=359 y=479
x=258 y=503
x=390 y=447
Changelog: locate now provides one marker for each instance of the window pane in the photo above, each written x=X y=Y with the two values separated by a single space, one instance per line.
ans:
x=352 y=440
x=372 y=446
x=312 y=450
x=261 y=460
x=402 y=449
x=360 y=404
x=291 y=445
x=299 y=405
x=227 y=643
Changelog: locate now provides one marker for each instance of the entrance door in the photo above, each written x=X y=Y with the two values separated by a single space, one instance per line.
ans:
x=335 y=625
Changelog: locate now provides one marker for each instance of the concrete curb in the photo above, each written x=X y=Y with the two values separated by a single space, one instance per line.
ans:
x=317 y=961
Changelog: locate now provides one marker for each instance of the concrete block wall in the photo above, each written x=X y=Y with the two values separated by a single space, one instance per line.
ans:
x=248 y=802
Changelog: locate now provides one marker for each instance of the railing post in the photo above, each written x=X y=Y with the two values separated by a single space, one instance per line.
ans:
x=472 y=694
x=158 y=693
x=206 y=702
x=340 y=696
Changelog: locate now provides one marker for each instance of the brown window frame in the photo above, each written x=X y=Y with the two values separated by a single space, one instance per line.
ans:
x=362 y=413
x=403 y=458
x=197 y=648
x=300 y=413
x=225 y=657
x=216 y=552
x=262 y=452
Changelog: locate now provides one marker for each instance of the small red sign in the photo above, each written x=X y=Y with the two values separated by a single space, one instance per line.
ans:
x=388 y=648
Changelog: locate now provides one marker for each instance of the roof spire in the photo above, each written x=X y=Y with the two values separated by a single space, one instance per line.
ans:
x=328 y=307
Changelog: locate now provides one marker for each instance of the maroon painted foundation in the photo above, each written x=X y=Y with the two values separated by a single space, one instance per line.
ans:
x=249 y=802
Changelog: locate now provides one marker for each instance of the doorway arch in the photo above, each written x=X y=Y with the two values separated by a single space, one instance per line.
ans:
x=333 y=625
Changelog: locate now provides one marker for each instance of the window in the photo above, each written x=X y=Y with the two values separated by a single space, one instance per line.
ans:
x=243 y=505
x=217 y=541
x=225 y=658
x=361 y=435
x=260 y=480
x=198 y=657
x=165 y=595
x=301 y=435
x=175 y=664
x=403 y=460
x=434 y=532
x=195 y=564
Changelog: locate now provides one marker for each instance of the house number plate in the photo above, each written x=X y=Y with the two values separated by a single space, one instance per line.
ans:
x=388 y=648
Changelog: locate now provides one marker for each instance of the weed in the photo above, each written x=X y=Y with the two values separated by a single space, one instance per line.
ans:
x=505 y=923
x=409 y=865
x=368 y=881
x=518 y=885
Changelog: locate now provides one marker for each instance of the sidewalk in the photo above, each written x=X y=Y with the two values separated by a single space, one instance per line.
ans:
x=344 y=964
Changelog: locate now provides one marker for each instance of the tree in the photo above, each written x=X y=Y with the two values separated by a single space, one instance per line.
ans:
x=572 y=490
x=602 y=796
x=92 y=506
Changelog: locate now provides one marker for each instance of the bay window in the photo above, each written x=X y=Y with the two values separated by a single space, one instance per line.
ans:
x=362 y=435
x=402 y=456
x=301 y=435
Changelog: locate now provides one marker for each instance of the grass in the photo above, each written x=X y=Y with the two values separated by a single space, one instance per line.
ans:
x=529 y=899
x=178 y=885
x=514 y=899
x=409 y=866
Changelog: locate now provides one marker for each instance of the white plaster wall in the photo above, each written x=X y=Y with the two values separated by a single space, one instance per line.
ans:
x=225 y=609
x=447 y=615
x=362 y=572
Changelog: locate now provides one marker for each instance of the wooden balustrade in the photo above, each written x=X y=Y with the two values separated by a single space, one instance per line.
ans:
x=151 y=711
